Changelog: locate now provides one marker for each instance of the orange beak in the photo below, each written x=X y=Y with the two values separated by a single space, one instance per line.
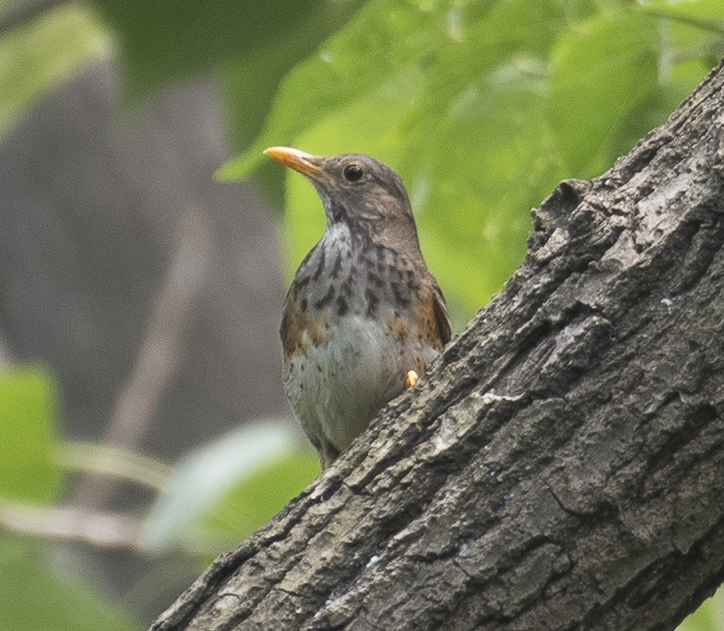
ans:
x=304 y=163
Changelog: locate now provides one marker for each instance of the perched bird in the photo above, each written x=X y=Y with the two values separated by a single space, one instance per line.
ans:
x=364 y=316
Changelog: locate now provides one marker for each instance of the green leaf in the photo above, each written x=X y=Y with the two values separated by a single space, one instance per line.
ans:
x=483 y=165
x=600 y=71
x=444 y=40
x=482 y=108
x=689 y=52
x=249 y=81
x=166 y=39
x=27 y=431
x=252 y=502
x=202 y=478
x=702 y=13
x=44 y=52
x=372 y=49
x=708 y=617
x=36 y=596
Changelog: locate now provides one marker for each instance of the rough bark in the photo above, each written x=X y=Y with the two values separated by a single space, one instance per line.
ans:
x=562 y=465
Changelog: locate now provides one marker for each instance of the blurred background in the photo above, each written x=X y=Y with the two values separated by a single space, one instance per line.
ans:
x=143 y=428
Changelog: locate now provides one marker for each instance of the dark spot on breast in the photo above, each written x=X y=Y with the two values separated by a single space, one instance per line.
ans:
x=346 y=288
x=402 y=298
x=342 y=306
x=337 y=265
x=372 y=302
x=326 y=299
x=360 y=232
x=298 y=284
x=338 y=213
x=395 y=274
x=374 y=279
x=303 y=305
x=320 y=266
x=413 y=283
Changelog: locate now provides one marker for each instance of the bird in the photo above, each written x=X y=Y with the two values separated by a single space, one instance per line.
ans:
x=364 y=316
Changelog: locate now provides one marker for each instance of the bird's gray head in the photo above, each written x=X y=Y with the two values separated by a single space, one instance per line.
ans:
x=354 y=188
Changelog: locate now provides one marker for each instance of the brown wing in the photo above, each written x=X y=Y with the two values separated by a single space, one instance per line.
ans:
x=299 y=329
x=442 y=317
x=431 y=315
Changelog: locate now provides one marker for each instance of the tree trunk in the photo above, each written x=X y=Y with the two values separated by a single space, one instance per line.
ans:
x=562 y=465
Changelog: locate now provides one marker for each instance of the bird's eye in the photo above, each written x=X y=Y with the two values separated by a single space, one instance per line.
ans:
x=353 y=172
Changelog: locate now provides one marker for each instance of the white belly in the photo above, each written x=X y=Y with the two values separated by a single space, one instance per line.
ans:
x=337 y=388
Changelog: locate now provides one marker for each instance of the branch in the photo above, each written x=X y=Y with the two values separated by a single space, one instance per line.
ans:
x=562 y=465
x=101 y=529
x=160 y=352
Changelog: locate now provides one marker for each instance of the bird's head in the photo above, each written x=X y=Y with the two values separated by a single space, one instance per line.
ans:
x=354 y=188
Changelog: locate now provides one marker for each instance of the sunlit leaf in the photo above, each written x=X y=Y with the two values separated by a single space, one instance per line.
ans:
x=601 y=70
x=708 y=617
x=27 y=430
x=35 y=595
x=207 y=474
x=166 y=39
x=366 y=54
x=42 y=53
x=253 y=501
x=250 y=80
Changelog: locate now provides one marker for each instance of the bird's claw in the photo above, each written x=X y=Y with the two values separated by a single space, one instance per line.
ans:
x=411 y=379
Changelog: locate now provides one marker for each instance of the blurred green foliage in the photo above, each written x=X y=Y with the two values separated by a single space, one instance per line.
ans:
x=37 y=56
x=220 y=493
x=709 y=617
x=246 y=505
x=36 y=593
x=27 y=419
x=482 y=106
x=213 y=498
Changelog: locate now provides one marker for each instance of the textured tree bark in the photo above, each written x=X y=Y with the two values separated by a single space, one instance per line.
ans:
x=562 y=465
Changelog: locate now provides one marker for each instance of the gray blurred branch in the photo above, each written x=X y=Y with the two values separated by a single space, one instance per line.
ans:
x=160 y=352
x=98 y=528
